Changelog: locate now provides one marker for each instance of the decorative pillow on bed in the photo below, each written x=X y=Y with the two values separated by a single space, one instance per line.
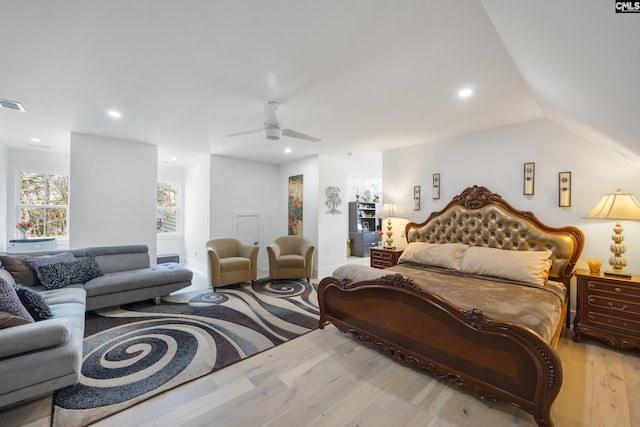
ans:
x=445 y=255
x=530 y=267
x=61 y=274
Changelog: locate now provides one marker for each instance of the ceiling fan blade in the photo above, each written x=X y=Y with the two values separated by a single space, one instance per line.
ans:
x=247 y=132
x=293 y=134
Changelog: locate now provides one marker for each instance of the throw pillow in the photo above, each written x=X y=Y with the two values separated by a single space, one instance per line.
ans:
x=530 y=267
x=10 y=303
x=37 y=261
x=20 y=269
x=61 y=274
x=34 y=303
x=8 y=320
x=444 y=255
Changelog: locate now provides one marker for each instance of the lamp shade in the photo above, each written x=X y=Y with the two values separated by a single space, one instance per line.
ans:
x=388 y=210
x=616 y=206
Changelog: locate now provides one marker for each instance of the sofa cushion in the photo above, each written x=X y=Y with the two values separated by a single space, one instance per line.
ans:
x=10 y=303
x=34 y=303
x=35 y=336
x=7 y=276
x=120 y=258
x=61 y=274
x=157 y=275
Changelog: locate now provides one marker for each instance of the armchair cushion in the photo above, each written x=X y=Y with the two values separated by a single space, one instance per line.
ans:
x=234 y=263
x=291 y=261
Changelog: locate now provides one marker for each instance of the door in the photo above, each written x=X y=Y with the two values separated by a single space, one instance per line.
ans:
x=247 y=229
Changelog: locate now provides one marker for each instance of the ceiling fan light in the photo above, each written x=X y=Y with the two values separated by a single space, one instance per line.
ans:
x=272 y=133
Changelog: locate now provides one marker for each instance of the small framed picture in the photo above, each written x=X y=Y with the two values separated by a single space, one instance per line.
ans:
x=564 y=189
x=529 y=178
x=435 y=194
x=416 y=198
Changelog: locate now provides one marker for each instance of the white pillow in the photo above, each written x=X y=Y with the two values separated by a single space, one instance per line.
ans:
x=445 y=255
x=530 y=267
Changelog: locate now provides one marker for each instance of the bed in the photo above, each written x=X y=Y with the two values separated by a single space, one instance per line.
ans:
x=446 y=308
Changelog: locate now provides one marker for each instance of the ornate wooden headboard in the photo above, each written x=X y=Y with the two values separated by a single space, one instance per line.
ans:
x=478 y=217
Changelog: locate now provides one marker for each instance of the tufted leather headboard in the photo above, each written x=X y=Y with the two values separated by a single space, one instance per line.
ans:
x=478 y=217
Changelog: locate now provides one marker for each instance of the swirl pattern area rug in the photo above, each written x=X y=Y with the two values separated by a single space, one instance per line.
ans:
x=140 y=350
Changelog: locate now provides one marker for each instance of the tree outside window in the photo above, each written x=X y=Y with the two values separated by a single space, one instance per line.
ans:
x=44 y=202
x=167 y=210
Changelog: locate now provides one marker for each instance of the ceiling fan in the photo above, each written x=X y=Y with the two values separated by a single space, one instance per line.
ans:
x=273 y=129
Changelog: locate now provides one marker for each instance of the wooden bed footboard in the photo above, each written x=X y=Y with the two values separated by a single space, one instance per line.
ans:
x=496 y=360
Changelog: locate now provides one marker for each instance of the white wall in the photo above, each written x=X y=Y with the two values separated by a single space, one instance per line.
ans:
x=495 y=159
x=309 y=169
x=4 y=172
x=196 y=214
x=364 y=173
x=173 y=244
x=333 y=230
x=245 y=186
x=29 y=160
x=113 y=192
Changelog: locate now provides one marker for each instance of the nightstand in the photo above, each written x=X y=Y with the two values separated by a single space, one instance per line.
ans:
x=608 y=308
x=383 y=258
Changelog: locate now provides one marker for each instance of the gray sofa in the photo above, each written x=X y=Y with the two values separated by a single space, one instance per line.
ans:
x=41 y=357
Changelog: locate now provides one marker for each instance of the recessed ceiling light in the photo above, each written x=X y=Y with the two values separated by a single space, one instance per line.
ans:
x=46 y=147
x=465 y=93
x=288 y=150
x=114 y=113
x=35 y=139
x=173 y=159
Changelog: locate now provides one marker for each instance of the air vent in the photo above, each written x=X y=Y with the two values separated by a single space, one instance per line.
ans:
x=11 y=105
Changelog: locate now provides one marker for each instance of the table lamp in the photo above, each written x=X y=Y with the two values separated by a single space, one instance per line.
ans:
x=388 y=210
x=617 y=206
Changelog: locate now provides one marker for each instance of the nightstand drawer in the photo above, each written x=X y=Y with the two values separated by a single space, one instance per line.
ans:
x=606 y=304
x=604 y=320
x=382 y=255
x=380 y=264
x=612 y=288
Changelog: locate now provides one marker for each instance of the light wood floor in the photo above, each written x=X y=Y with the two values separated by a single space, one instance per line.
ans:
x=326 y=378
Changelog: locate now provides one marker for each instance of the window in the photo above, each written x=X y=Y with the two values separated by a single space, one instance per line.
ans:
x=167 y=210
x=44 y=202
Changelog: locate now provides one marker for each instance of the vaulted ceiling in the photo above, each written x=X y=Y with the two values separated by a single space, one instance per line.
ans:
x=361 y=75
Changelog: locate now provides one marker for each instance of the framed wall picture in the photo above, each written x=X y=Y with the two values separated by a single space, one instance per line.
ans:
x=416 y=198
x=295 y=205
x=564 y=189
x=435 y=193
x=529 y=178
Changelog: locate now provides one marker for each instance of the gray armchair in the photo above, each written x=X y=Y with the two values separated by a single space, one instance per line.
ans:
x=231 y=261
x=290 y=257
